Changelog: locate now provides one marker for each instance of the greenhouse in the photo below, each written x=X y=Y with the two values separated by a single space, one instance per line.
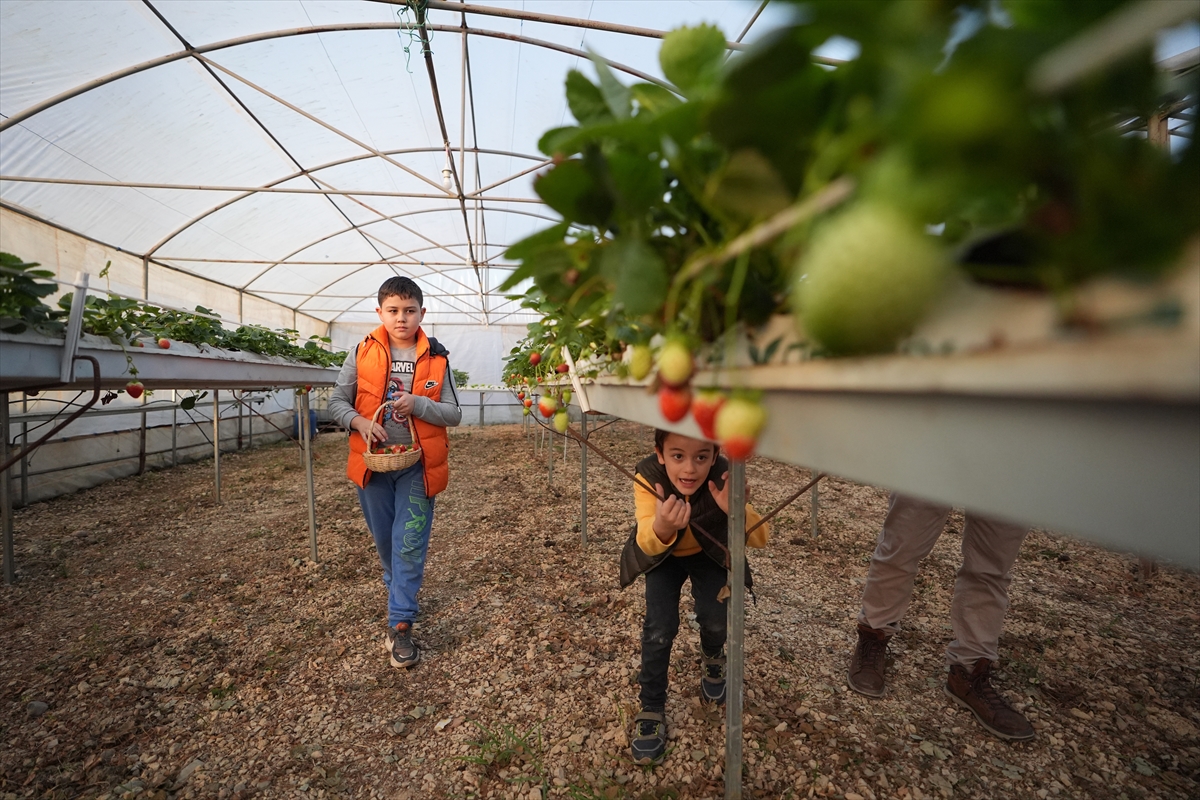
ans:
x=863 y=262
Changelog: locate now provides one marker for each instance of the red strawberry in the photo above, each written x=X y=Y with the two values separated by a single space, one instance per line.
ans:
x=528 y=402
x=704 y=410
x=520 y=395
x=562 y=368
x=134 y=389
x=738 y=424
x=164 y=343
x=674 y=363
x=547 y=406
x=673 y=402
x=535 y=358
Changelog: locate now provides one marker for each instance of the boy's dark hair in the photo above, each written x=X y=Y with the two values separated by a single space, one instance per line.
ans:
x=660 y=437
x=404 y=288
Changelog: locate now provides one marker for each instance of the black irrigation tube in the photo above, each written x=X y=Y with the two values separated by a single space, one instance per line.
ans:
x=25 y=451
x=636 y=479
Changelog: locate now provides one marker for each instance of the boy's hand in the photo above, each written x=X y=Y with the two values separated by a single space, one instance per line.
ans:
x=670 y=515
x=404 y=403
x=721 y=495
x=372 y=430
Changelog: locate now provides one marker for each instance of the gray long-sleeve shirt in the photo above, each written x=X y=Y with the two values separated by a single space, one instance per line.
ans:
x=445 y=413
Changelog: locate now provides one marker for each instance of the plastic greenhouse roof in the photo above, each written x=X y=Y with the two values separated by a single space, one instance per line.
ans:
x=294 y=149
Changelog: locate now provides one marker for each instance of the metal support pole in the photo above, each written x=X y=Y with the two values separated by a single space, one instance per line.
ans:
x=24 y=457
x=216 y=412
x=306 y=441
x=583 y=482
x=174 y=429
x=142 y=444
x=6 y=516
x=239 y=394
x=737 y=628
x=481 y=393
x=816 y=505
x=549 y=445
x=250 y=428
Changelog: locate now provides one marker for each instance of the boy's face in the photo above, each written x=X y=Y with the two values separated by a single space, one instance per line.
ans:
x=401 y=316
x=687 y=461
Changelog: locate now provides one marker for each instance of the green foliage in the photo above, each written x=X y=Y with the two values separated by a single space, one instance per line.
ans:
x=460 y=378
x=504 y=747
x=122 y=321
x=935 y=119
x=21 y=294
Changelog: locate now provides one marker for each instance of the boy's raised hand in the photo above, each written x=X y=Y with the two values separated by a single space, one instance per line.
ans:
x=721 y=495
x=670 y=515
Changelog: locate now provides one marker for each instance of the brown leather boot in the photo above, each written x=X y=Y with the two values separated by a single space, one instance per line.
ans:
x=867 y=663
x=974 y=691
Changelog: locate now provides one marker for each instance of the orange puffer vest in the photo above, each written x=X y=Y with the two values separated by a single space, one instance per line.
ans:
x=374 y=362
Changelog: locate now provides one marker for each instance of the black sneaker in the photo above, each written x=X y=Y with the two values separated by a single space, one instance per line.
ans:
x=649 y=743
x=712 y=679
x=401 y=648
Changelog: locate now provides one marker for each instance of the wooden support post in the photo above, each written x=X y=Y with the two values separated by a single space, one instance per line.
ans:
x=736 y=612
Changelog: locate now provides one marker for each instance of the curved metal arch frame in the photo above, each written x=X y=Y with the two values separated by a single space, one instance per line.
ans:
x=283 y=262
x=312 y=173
x=224 y=44
x=198 y=51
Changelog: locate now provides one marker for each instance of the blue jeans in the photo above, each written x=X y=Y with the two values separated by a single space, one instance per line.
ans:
x=399 y=516
x=663 y=587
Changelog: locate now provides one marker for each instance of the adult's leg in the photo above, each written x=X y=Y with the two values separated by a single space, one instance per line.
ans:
x=658 y=630
x=910 y=531
x=989 y=549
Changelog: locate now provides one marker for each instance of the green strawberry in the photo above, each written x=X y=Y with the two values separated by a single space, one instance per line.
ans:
x=867 y=279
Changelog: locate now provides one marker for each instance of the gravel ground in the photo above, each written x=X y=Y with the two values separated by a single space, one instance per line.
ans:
x=160 y=645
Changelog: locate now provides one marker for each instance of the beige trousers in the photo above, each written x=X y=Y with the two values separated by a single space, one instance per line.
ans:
x=989 y=548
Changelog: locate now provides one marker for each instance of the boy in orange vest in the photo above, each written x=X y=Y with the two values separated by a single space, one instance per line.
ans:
x=397 y=362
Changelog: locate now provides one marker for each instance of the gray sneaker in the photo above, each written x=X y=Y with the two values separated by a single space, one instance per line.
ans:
x=401 y=648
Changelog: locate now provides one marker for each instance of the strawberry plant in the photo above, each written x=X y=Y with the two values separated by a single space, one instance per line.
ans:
x=21 y=294
x=935 y=122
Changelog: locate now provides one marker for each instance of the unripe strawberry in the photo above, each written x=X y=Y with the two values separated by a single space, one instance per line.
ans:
x=640 y=361
x=867 y=279
x=561 y=420
x=566 y=397
x=535 y=358
x=525 y=411
x=674 y=402
x=739 y=422
x=674 y=363
x=134 y=389
x=704 y=411
x=547 y=405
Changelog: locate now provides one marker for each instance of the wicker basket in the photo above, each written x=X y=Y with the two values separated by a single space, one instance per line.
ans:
x=388 y=462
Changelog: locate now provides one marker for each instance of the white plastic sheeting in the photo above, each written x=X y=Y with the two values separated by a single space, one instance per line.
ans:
x=291 y=149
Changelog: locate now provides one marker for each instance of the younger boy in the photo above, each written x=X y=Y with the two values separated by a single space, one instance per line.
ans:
x=684 y=536
x=398 y=363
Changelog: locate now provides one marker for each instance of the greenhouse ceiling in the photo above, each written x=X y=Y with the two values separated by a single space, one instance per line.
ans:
x=304 y=150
